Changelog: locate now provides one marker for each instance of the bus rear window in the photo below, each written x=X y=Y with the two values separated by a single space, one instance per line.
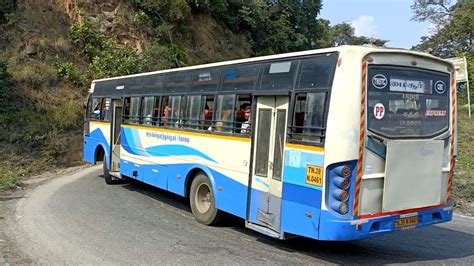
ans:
x=407 y=102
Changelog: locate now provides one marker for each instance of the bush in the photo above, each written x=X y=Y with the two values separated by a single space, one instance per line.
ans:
x=116 y=62
x=6 y=10
x=70 y=72
x=141 y=18
x=88 y=38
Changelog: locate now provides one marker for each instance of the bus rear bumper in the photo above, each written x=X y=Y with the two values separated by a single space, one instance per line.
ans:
x=334 y=228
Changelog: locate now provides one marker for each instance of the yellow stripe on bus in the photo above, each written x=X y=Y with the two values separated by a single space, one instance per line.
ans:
x=304 y=147
x=213 y=136
x=100 y=123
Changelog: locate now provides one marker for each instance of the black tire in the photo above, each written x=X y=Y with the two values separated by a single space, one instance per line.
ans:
x=109 y=180
x=202 y=201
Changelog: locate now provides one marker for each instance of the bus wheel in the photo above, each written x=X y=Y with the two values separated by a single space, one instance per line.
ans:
x=202 y=201
x=109 y=180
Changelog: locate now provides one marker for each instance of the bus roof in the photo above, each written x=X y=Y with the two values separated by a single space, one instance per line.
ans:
x=363 y=49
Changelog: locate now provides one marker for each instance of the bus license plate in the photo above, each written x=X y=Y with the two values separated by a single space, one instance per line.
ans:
x=404 y=222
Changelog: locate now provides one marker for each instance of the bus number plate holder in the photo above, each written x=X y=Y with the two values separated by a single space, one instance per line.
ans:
x=406 y=222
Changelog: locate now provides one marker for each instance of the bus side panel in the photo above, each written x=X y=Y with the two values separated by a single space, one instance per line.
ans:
x=98 y=137
x=301 y=205
x=147 y=157
x=155 y=175
x=230 y=195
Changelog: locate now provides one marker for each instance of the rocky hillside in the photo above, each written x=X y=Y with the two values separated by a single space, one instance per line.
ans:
x=47 y=51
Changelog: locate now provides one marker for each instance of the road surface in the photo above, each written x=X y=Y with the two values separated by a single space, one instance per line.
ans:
x=77 y=218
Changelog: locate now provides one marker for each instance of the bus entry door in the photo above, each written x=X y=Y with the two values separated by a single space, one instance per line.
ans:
x=115 y=135
x=266 y=173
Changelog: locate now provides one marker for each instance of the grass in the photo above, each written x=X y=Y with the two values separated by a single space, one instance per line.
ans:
x=10 y=172
x=464 y=171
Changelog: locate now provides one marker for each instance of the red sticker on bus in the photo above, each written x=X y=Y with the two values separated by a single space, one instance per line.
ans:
x=435 y=113
x=379 y=111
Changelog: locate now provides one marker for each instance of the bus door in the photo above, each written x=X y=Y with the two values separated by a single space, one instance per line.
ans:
x=115 y=135
x=266 y=173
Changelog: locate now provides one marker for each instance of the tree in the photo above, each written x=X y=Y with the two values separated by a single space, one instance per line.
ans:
x=453 y=32
x=343 y=34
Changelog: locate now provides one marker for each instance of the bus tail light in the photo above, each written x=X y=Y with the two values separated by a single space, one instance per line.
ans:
x=341 y=182
x=341 y=195
x=344 y=171
x=340 y=207
x=340 y=189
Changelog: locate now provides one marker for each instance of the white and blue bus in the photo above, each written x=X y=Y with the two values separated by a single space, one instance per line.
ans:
x=331 y=144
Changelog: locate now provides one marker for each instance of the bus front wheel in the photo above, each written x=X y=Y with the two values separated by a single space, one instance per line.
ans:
x=202 y=201
x=109 y=179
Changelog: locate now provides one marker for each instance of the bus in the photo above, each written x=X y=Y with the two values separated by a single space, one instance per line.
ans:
x=331 y=144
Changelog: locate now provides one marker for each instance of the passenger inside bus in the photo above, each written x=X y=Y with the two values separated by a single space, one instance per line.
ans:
x=206 y=118
x=240 y=115
x=245 y=128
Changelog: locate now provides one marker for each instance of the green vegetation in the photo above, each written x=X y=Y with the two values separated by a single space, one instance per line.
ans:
x=6 y=10
x=6 y=90
x=344 y=34
x=106 y=60
x=70 y=72
x=464 y=177
x=454 y=29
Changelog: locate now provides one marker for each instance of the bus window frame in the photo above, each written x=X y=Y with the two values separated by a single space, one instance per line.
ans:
x=163 y=91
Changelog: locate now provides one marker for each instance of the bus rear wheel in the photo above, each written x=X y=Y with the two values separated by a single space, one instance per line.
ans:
x=202 y=201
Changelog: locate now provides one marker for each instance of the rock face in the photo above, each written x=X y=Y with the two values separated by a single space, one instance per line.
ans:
x=112 y=18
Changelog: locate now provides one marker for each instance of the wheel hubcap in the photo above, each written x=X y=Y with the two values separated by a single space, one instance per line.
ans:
x=203 y=198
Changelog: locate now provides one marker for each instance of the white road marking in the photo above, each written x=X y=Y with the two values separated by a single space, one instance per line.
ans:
x=464 y=216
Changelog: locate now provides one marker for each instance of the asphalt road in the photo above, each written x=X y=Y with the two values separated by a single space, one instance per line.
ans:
x=78 y=219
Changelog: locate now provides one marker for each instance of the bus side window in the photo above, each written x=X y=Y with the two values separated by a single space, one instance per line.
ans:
x=126 y=110
x=243 y=102
x=105 y=113
x=174 y=111
x=225 y=113
x=164 y=111
x=195 y=104
x=94 y=113
x=206 y=115
x=131 y=110
x=134 y=110
x=156 y=111
x=308 y=118
x=146 y=112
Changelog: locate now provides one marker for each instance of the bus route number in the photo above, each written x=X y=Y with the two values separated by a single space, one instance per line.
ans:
x=314 y=175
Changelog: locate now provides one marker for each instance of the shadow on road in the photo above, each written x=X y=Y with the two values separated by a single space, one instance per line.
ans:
x=418 y=245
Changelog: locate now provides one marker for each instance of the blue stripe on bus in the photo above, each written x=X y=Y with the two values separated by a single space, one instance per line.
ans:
x=302 y=195
x=131 y=142
x=230 y=195
x=176 y=150
x=95 y=138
